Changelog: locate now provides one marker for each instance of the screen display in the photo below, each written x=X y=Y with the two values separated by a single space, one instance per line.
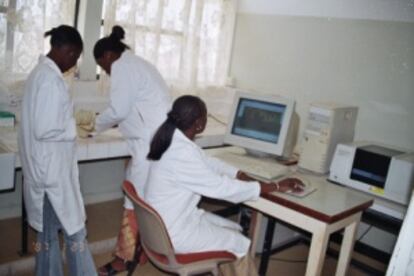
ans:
x=371 y=165
x=258 y=120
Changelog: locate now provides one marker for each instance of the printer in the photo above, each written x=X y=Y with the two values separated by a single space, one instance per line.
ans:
x=380 y=170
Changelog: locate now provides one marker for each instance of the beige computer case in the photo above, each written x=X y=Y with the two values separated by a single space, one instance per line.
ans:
x=327 y=125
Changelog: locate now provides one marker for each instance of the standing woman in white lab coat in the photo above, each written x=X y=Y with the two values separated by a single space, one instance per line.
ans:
x=139 y=102
x=47 y=147
x=181 y=173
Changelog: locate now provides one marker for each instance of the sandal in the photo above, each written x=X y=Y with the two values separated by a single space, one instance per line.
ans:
x=109 y=270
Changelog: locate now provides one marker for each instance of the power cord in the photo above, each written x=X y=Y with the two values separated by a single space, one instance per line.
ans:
x=365 y=233
x=216 y=119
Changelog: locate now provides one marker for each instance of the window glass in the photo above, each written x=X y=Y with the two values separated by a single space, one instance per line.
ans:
x=26 y=24
x=187 y=40
x=173 y=15
x=169 y=56
x=3 y=33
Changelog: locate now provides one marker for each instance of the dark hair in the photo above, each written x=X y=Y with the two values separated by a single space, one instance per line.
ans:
x=111 y=43
x=64 y=35
x=185 y=111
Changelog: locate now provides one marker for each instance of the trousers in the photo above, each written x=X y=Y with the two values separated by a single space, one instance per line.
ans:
x=48 y=254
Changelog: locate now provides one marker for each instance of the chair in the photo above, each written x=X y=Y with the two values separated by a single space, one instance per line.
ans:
x=157 y=244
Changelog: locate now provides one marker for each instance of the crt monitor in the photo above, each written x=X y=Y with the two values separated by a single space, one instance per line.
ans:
x=262 y=124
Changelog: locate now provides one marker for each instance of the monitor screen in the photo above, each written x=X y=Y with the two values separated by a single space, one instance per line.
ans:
x=262 y=123
x=371 y=164
x=258 y=120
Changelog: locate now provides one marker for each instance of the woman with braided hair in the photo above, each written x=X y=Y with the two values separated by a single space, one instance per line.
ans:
x=181 y=173
x=139 y=102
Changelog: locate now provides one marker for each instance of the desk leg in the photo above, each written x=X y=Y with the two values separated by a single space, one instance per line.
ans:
x=254 y=231
x=317 y=252
x=24 y=226
x=347 y=247
x=267 y=246
x=245 y=219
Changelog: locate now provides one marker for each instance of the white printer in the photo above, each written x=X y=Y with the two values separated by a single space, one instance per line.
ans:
x=383 y=171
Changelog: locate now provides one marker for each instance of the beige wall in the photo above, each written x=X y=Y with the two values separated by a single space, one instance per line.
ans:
x=368 y=63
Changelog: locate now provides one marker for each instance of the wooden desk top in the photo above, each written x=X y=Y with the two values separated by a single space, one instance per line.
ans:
x=329 y=203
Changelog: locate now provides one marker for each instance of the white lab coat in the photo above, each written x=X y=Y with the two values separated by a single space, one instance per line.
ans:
x=139 y=102
x=175 y=185
x=47 y=148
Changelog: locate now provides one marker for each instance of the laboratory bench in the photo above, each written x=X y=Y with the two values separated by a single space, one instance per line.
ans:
x=108 y=145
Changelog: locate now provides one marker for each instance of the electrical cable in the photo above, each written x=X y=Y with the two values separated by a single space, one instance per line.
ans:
x=216 y=119
x=365 y=233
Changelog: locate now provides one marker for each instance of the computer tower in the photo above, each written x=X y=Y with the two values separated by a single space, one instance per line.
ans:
x=327 y=125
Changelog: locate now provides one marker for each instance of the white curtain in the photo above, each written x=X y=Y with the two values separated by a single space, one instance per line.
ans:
x=22 y=25
x=188 y=40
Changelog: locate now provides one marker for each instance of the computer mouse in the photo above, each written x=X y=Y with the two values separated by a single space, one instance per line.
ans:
x=295 y=180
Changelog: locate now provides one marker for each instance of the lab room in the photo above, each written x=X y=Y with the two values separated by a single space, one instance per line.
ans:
x=216 y=137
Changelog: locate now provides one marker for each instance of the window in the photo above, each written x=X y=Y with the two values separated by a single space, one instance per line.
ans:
x=188 y=40
x=22 y=25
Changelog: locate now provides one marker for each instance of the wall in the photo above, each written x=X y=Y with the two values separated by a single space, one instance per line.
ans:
x=308 y=55
x=359 y=52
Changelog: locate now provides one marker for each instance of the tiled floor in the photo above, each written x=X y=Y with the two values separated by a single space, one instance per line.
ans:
x=103 y=224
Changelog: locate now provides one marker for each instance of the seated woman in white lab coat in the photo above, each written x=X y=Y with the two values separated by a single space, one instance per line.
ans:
x=181 y=173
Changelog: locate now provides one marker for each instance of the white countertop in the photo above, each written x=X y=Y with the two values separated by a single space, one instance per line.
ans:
x=111 y=144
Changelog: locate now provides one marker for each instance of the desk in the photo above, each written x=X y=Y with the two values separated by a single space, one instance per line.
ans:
x=329 y=209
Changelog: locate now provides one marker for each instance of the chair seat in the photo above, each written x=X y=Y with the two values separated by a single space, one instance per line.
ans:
x=197 y=257
x=159 y=249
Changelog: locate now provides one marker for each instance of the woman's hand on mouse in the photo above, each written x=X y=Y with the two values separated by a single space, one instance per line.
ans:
x=290 y=184
x=266 y=188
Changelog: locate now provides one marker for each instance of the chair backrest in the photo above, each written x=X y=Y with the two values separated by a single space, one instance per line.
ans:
x=153 y=233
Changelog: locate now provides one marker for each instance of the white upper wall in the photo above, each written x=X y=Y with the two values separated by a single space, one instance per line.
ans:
x=387 y=10
x=324 y=52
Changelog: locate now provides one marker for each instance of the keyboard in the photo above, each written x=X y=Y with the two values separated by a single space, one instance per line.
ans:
x=263 y=169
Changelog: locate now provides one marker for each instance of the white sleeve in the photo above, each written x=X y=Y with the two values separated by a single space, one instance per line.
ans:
x=51 y=121
x=219 y=166
x=121 y=101
x=198 y=176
